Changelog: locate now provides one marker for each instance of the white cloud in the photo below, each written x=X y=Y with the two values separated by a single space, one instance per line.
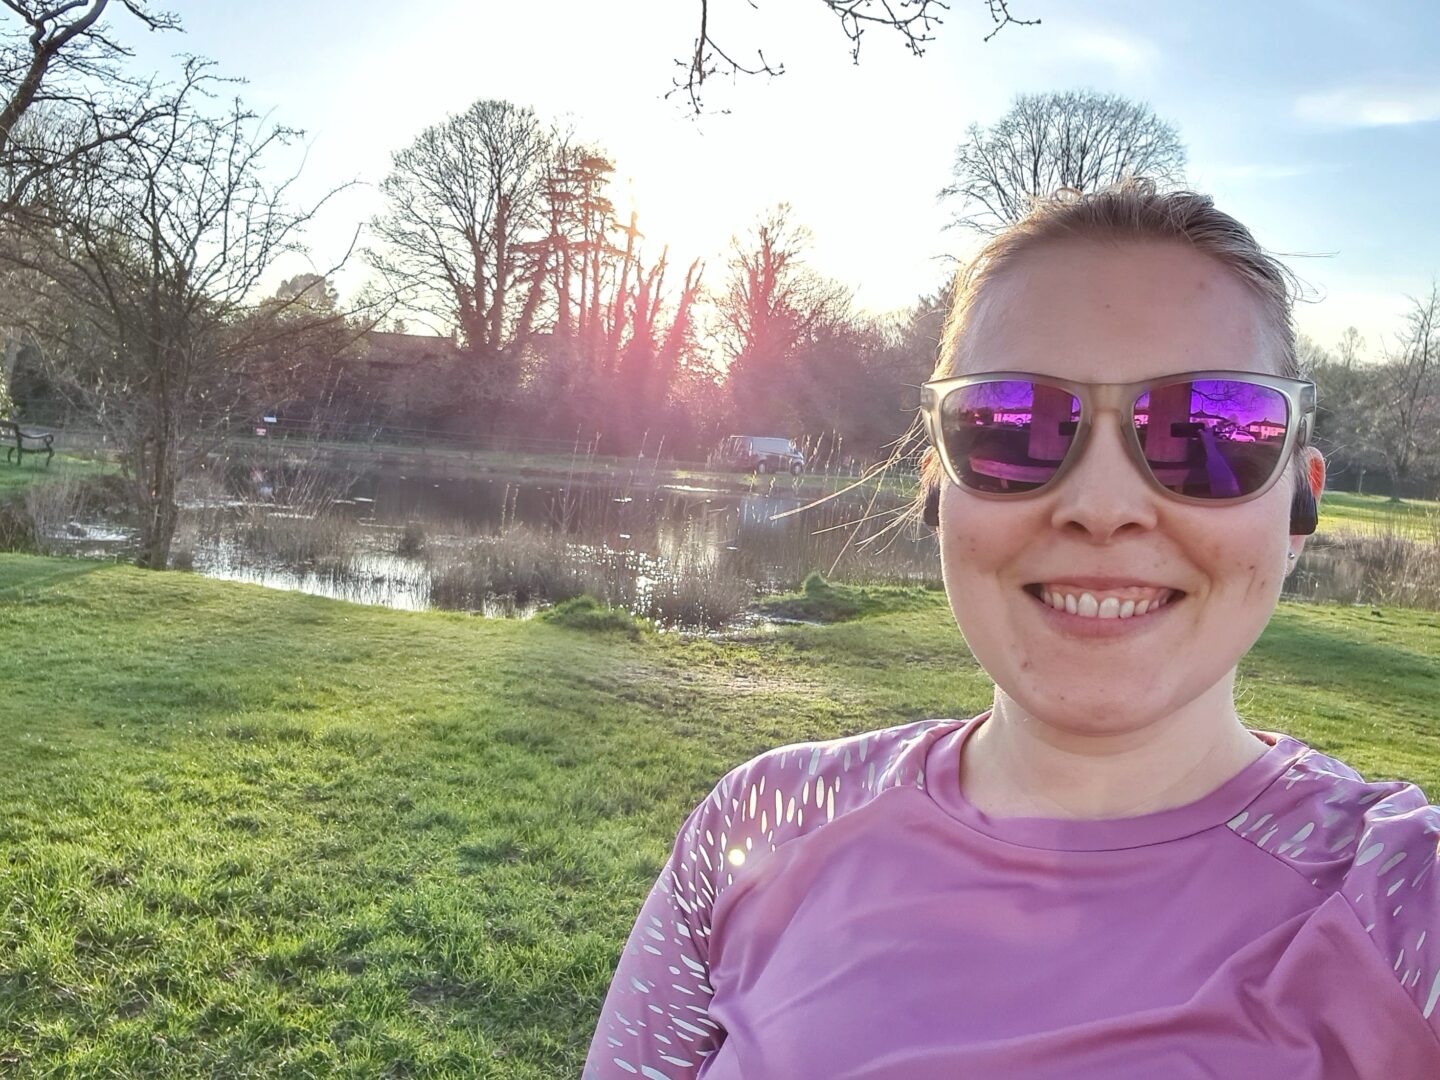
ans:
x=1370 y=106
x=1257 y=171
x=1123 y=54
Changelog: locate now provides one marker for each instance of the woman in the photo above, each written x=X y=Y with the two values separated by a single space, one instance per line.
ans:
x=1106 y=874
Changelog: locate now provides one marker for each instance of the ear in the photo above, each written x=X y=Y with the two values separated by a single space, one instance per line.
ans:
x=1305 y=505
x=931 y=512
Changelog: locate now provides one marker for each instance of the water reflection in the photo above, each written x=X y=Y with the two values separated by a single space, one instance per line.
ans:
x=366 y=577
x=682 y=553
x=689 y=555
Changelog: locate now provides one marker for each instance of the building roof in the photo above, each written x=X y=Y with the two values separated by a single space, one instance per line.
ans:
x=390 y=349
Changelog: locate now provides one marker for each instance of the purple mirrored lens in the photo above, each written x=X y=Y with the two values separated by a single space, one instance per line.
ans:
x=1213 y=438
x=1007 y=436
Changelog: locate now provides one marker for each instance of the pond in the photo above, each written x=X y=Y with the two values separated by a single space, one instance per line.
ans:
x=687 y=551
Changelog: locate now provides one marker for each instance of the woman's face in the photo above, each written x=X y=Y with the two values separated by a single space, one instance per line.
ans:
x=1113 y=313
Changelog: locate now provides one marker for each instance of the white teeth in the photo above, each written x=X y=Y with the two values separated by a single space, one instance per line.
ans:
x=1111 y=607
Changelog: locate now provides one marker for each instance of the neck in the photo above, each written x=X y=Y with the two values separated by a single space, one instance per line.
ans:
x=1018 y=765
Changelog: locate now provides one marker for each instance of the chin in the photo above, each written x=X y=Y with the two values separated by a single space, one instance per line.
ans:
x=1103 y=712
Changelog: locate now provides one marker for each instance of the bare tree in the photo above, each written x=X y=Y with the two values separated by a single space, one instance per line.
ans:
x=461 y=229
x=1404 y=400
x=1078 y=139
x=63 y=96
x=649 y=341
x=1343 y=399
x=582 y=249
x=142 y=294
x=1351 y=348
x=617 y=340
x=772 y=306
x=58 y=62
x=914 y=21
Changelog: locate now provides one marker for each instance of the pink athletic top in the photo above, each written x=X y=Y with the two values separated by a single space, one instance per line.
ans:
x=837 y=910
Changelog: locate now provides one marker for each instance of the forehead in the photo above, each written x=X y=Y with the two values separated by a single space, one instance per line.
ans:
x=1102 y=312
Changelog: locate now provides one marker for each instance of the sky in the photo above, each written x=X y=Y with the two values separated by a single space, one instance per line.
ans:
x=1315 y=122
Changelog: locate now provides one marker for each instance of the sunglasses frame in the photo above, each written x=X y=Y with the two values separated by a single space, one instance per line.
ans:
x=1299 y=395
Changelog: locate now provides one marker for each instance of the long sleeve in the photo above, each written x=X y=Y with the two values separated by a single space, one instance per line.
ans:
x=1377 y=844
x=655 y=1021
x=1394 y=889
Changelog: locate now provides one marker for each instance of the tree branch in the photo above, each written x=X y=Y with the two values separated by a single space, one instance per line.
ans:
x=915 y=21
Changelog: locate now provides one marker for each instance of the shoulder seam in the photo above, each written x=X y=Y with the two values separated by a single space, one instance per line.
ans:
x=1274 y=857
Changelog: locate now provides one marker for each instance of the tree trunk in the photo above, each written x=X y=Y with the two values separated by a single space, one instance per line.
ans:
x=7 y=375
x=1397 y=474
x=496 y=339
x=159 y=513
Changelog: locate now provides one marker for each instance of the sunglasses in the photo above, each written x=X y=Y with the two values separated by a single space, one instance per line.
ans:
x=1198 y=436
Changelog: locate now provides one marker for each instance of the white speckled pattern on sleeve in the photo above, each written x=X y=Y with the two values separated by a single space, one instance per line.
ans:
x=655 y=1022
x=1376 y=845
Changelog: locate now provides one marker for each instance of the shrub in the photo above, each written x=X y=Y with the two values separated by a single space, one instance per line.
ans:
x=820 y=601
x=587 y=613
x=412 y=539
x=1375 y=566
x=33 y=519
x=17 y=527
x=698 y=594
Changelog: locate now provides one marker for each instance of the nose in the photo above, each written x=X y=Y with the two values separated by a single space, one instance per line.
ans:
x=1105 y=495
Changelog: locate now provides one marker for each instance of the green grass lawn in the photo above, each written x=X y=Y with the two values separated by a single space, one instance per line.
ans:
x=16 y=478
x=247 y=833
x=1418 y=519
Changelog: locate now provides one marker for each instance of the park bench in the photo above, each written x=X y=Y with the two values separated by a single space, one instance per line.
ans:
x=20 y=442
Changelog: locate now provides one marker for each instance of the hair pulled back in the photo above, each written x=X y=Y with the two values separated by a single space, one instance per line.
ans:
x=1131 y=210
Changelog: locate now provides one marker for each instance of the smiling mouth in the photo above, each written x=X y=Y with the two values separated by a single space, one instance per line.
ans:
x=1126 y=603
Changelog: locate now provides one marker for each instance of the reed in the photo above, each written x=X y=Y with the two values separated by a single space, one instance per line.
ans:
x=522 y=564
x=283 y=513
x=45 y=518
x=1383 y=564
x=581 y=548
x=698 y=594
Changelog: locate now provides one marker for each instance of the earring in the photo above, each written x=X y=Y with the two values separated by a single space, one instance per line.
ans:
x=930 y=514
x=1292 y=555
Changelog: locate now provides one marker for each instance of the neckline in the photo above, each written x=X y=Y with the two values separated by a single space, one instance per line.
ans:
x=942 y=782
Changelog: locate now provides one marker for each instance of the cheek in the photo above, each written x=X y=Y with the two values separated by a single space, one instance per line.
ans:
x=968 y=535
x=1261 y=584
x=1245 y=551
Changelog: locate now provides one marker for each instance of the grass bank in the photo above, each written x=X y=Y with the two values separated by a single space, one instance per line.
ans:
x=16 y=479
x=252 y=833
x=1416 y=519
